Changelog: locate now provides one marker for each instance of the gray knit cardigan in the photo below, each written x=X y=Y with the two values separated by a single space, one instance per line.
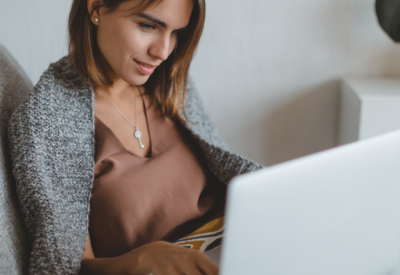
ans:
x=51 y=137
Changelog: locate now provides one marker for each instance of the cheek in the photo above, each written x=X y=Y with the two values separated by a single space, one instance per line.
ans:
x=134 y=42
x=107 y=41
x=118 y=43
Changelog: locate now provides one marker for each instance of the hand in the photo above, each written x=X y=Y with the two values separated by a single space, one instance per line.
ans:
x=164 y=258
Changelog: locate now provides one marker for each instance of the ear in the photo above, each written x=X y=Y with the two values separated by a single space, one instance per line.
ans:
x=91 y=6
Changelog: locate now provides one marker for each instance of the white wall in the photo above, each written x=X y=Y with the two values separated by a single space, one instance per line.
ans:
x=35 y=32
x=268 y=71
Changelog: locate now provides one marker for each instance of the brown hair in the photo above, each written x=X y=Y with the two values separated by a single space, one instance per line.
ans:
x=171 y=77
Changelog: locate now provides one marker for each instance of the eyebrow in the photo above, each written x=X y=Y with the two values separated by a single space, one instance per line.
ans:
x=155 y=20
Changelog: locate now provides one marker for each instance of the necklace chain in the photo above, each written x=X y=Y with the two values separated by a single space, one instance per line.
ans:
x=121 y=112
x=137 y=133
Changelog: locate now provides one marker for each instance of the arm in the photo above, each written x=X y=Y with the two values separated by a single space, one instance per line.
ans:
x=52 y=210
x=99 y=266
x=34 y=197
x=157 y=258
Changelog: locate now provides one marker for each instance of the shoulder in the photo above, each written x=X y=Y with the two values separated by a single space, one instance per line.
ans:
x=193 y=103
x=192 y=93
x=59 y=88
x=199 y=121
x=59 y=77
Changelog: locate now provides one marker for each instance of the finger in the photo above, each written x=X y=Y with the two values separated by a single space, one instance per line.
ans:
x=187 y=264
x=208 y=269
x=172 y=270
x=207 y=266
x=190 y=269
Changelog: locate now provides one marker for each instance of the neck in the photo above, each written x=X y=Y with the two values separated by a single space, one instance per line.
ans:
x=119 y=91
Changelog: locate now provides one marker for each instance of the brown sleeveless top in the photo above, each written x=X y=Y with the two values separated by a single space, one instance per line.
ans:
x=136 y=200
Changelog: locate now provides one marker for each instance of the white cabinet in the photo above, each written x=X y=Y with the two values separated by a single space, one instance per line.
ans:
x=368 y=107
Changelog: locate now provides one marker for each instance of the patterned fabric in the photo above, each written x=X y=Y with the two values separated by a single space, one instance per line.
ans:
x=51 y=137
x=14 y=87
x=206 y=238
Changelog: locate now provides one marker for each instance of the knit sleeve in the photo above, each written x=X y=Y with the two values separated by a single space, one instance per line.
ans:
x=37 y=199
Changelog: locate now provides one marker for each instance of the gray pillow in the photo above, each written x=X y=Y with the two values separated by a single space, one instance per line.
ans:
x=14 y=250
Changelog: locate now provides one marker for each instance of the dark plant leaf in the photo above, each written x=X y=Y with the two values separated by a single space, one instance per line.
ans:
x=388 y=13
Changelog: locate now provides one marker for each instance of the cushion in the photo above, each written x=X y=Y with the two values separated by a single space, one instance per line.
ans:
x=14 y=88
x=206 y=238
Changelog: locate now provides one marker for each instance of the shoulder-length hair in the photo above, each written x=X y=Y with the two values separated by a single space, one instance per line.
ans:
x=170 y=78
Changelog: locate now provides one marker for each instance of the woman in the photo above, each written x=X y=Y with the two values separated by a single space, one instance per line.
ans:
x=117 y=127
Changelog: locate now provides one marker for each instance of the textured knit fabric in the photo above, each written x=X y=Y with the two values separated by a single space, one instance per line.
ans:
x=52 y=146
x=14 y=87
x=137 y=200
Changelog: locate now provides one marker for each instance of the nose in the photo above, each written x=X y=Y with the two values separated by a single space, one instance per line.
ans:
x=161 y=47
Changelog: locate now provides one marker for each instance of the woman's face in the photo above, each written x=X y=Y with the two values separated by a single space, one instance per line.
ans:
x=128 y=41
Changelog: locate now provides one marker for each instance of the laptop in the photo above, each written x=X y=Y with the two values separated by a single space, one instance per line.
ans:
x=333 y=212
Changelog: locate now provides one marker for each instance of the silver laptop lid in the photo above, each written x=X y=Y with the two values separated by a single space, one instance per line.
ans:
x=334 y=212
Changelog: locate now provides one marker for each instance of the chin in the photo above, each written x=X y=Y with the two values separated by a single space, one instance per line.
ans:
x=137 y=80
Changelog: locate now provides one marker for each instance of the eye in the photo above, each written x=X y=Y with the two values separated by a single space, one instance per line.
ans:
x=146 y=27
x=178 y=32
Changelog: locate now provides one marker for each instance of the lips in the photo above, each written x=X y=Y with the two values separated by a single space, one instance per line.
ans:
x=145 y=68
x=145 y=64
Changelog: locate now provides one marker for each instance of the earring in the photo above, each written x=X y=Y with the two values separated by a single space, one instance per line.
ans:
x=96 y=19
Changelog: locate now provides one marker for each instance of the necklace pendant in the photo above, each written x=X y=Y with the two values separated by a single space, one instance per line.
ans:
x=138 y=135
